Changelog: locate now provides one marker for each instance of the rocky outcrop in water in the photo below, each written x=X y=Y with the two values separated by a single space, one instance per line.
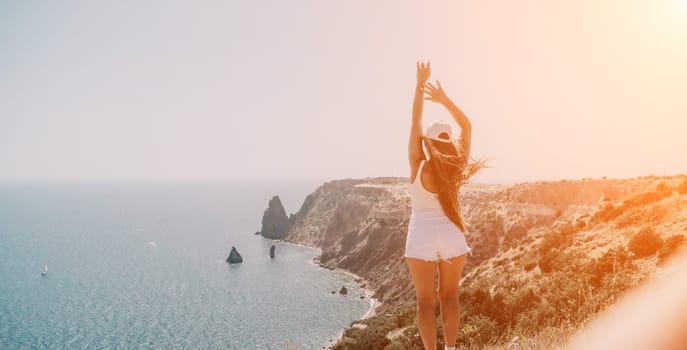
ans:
x=272 y=252
x=274 y=220
x=234 y=256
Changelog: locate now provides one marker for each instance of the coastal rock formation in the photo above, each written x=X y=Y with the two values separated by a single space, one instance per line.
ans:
x=311 y=221
x=361 y=226
x=343 y=290
x=234 y=256
x=272 y=252
x=274 y=220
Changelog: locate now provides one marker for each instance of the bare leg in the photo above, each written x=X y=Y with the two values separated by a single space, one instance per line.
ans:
x=449 y=277
x=424 y=278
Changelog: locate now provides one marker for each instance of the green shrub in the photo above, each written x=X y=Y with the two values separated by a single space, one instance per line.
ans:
x=409 y=339
x=520 y=301
x=371 y=337
x=610 y=211
x=609 y=263
x=554 y=260
x=646 y=198
x=535 y=319
x=682 y=188
x=557 y=239
x=607 y=213
x=478 y=330
x=654 y=214
x=645 y=243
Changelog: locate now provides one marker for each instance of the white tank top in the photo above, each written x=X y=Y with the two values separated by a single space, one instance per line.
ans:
x=420 y=198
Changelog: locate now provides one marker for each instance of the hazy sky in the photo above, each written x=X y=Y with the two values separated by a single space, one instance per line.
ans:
x=323 y=89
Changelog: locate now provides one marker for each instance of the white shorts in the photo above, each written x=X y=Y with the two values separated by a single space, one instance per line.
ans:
x=432 y=236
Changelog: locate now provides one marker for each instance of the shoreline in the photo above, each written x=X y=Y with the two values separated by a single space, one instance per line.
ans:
x=374 y=303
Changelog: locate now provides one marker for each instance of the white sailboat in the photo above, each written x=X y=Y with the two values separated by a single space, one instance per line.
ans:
x=45 y=271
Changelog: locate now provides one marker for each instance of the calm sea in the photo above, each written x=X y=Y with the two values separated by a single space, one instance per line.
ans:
x=135 y=265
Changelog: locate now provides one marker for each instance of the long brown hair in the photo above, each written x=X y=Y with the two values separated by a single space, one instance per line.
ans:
x=450 y=169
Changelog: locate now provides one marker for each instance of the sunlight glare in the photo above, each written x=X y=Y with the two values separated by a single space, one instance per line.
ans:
x=675 y=12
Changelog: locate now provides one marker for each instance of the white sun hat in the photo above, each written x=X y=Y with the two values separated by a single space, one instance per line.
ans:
x=436 y=129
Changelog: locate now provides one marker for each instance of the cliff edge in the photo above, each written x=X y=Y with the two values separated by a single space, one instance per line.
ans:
x=542 y=232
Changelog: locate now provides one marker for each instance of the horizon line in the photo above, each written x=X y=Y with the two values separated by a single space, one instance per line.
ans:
x=321 y=179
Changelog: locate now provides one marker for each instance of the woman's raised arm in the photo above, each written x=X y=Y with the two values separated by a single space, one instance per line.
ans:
x=437 y=94
x=415 y=152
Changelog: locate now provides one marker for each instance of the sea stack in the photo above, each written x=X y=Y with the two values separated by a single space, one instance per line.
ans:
x=234 y=256
x=274 y=220
x=272 y=252
x=343 y=290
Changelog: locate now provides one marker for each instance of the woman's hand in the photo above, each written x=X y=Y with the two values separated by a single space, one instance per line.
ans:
x=436 y=93
x=423 y=72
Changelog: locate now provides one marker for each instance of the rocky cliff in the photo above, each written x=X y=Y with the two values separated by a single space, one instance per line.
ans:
x=361 y=226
